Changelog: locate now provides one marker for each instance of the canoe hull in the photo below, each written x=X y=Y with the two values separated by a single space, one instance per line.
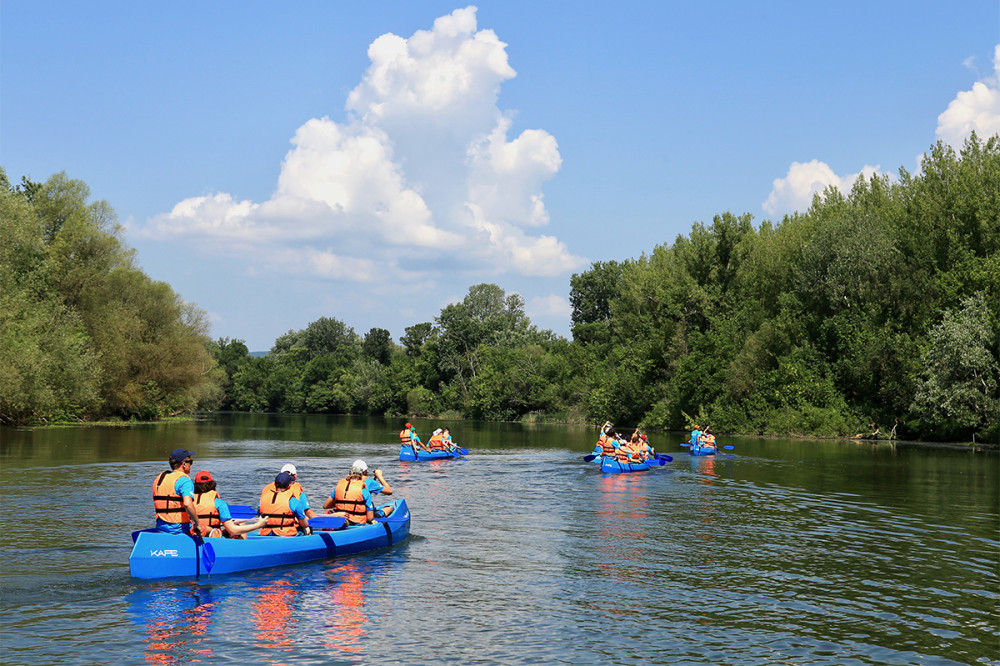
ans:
x=408 y=453
x=160 y=555
x=613 y=466
x=703 y=451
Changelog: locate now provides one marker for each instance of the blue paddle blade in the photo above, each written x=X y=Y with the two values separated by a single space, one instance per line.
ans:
x=729 y=447
x=664 y=457
x=464 y=452
x=590 y=458
x=207 y=556
x=327 y=522
x=685 y=444
x=242 y=511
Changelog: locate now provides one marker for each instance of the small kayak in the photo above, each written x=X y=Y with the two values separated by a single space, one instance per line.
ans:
x=615 y=466
x=161 y=555
x=703 y=450
x=408 y=452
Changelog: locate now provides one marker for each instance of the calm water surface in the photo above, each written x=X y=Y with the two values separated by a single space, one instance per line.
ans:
x=785 y=553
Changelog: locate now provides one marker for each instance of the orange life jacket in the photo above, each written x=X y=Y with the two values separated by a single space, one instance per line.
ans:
x=436 y=442
x=349 y=499
x=626 y=453
x=607 y=444
x=208 y=513
x=404 y=436
x=168 y=504
x=274 y=506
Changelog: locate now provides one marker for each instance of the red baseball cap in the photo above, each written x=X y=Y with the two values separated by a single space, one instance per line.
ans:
x=202 y=477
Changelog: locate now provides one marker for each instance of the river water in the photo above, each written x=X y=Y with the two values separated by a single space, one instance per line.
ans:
x=784 y=552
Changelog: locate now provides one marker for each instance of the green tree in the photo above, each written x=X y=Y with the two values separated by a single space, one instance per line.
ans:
x=377 y=346
x=959 y=392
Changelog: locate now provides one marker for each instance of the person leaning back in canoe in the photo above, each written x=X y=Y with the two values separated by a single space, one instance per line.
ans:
x=375 y=485
x=173 y=495
x=695 y=434
x=282 y=509
x=214 y=518
x=408 y=437
x=351 y=498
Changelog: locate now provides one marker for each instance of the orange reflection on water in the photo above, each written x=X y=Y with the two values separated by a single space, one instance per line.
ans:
x=621 y=518
x=347 y=625
x=272 y=616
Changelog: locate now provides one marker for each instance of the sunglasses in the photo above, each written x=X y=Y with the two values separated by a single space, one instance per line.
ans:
x=188 y=461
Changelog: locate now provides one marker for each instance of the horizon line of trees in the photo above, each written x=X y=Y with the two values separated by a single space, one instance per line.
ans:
x=875 y=312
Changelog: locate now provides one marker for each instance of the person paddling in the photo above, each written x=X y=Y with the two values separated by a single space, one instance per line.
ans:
x=173 y=496
x=375 y=485
x=408 y=437
x=214 y=518
x=351 y=498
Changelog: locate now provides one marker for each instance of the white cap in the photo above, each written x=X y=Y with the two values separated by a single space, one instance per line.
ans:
x=290 y=468
x=438 y=431
x=359 y=467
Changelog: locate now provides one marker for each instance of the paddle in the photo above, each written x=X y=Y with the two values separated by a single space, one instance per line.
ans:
x=592 y=457
x=327 y=522
x=729 y=447
x=204 y=554
x=664 y=457
x=242 y=511
x=687 y=444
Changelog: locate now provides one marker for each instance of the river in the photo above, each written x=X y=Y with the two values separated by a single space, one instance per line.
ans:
x=781 y=552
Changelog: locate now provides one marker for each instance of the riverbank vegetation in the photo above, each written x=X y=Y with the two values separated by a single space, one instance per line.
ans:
x=875 y=313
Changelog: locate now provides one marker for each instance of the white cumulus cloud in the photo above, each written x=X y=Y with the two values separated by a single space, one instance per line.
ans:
x=795 y=191
x=423 y=160
x=973 y=110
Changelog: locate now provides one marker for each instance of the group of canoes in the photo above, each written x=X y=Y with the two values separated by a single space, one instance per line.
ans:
x=617 y=454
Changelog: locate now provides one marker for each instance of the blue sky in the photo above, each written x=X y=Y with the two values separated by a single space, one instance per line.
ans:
x=370 y=161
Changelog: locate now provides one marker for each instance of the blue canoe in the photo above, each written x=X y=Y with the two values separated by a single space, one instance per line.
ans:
x=408 y=452
x=703 y=450
x=614 y=466
x=161 y=555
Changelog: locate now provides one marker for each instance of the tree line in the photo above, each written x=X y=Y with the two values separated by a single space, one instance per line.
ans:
x=874 y=313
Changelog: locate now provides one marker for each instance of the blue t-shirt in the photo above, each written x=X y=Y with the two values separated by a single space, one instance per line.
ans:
x=184 y=487
x=304 y=501
x=373 y=486
x=695 y=434
x=223 y=509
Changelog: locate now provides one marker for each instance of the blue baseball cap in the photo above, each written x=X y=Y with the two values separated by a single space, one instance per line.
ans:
x=283 y=480
x=180 y=454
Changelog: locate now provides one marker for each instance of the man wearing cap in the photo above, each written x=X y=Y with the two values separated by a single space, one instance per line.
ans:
x=173 y=496
x=351 y=498
x=282 y=509
x=297 y=490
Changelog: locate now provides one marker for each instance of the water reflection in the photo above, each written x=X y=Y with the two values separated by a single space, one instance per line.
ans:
x=272 y=615
x=622 y=516
x=176 y=621
x=346 y=627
